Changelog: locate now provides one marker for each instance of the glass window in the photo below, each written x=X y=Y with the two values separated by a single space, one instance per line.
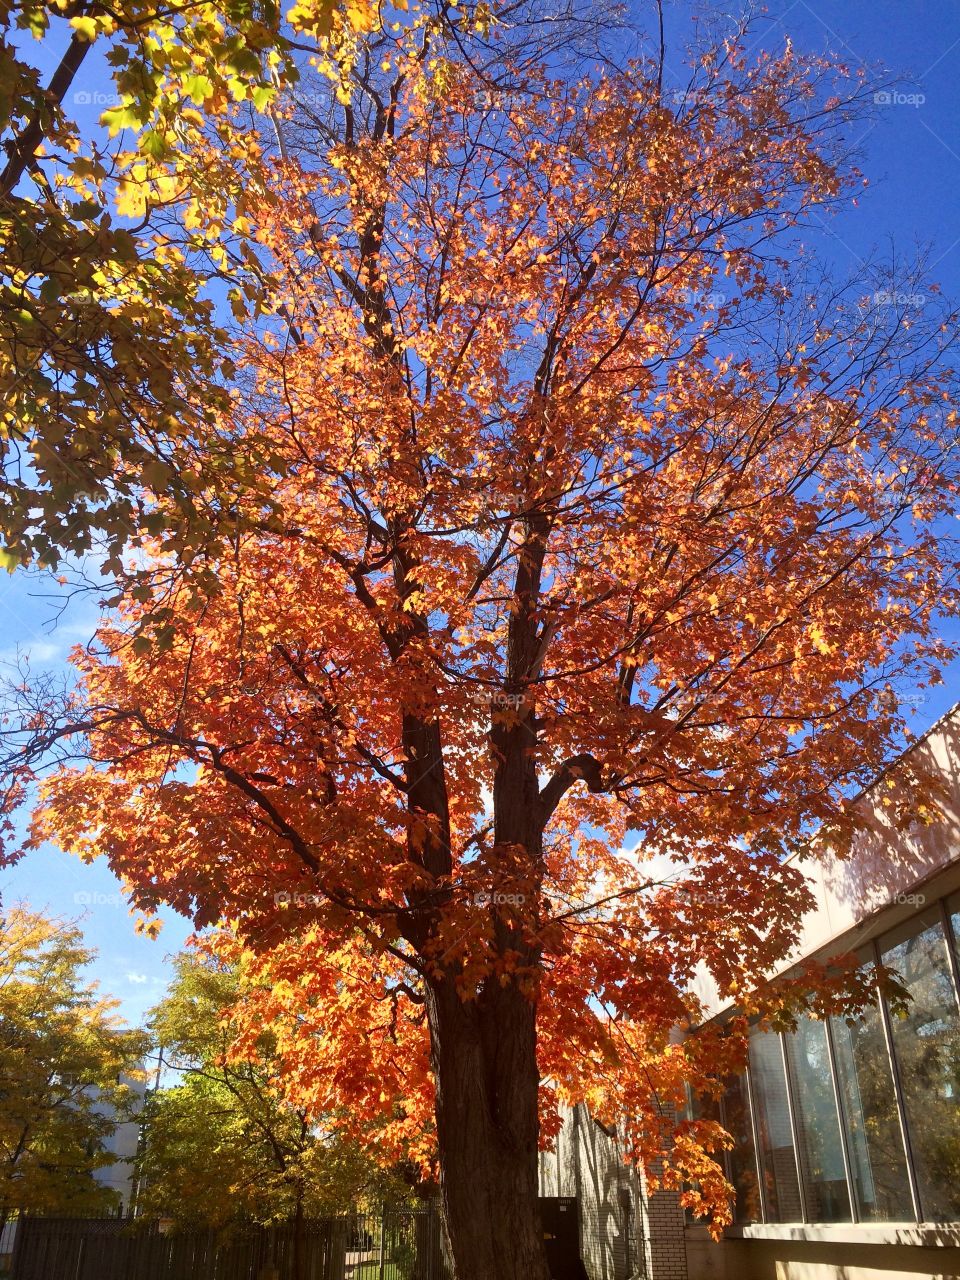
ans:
x=818 y=1126
x=926 y=1040
x=878 y=1165
x=778 y=1166
x=739 y=1163
x=953 y=911
x=703 y=1106
x=741 y=1159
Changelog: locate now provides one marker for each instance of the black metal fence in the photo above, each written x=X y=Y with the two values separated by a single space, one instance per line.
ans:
x=399 y=1244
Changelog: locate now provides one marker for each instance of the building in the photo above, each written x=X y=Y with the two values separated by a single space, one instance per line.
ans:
x=847 y=1157
x=122 y=1143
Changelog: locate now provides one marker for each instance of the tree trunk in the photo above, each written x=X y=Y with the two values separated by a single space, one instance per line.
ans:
x=484 y=1063
x=484 y=1049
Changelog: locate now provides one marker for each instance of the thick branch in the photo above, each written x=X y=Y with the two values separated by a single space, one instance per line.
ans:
x=22 y=150
x=579 y=768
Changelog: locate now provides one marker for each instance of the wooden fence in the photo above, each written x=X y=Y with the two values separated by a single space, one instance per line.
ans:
x=400 y=1244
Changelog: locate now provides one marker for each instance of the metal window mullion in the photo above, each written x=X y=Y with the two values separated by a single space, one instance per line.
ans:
x=898 y=1094
x=841 y=1122
x=950 y=943
x=794 y=1128
x=755 y=1131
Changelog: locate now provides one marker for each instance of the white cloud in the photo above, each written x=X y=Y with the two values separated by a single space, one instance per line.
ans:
x=42 y=652
x=137 y=977
x=656 y=868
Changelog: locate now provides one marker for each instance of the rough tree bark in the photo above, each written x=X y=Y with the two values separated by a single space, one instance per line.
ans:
x=483 y=1053
x=484 y=1049
x=484 y=1062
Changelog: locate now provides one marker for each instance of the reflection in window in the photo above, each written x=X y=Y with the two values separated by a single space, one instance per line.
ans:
x=926 y=1042
x=703 y=1106
x=874 y=1140
x=732 y=1110
x=777 y=1164
x=741 y=1160
x=818 y=1128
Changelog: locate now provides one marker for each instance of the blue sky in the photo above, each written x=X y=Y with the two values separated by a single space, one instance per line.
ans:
x=911 y=154
x=129 y=966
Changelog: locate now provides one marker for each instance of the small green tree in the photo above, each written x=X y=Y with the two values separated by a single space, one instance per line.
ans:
x=222 y=1145
x=63 y=1060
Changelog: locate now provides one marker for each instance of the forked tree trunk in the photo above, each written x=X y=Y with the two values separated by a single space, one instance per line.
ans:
x=484 y=1049
x=484 y=1063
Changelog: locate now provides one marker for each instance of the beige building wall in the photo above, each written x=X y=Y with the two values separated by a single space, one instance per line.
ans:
x=888 y=872
x=826 y=1253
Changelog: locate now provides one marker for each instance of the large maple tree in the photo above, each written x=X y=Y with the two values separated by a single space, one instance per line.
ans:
x=600 y=518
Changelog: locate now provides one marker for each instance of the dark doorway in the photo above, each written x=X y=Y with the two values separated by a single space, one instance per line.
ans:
x=561 y=1234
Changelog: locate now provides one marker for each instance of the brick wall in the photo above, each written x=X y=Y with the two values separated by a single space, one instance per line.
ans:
x=665 y=1235
x=624 y=1233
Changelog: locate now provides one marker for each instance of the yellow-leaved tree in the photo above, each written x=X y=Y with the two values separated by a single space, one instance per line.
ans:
x=66 y=1069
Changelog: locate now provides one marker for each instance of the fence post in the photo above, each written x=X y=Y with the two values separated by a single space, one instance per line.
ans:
x=383 y=1239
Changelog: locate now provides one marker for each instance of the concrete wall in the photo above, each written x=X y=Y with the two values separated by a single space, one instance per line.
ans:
x=587 y=1162
x=886 y=867
x=848 y=1253
x=624 y=1233
x=122 y=1143
x=7 y=1240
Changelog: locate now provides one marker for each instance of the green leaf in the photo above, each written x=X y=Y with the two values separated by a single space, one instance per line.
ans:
x=198 y=87
x=118 y=118
x=50 y=289
x=83 y=210
x=153 y=144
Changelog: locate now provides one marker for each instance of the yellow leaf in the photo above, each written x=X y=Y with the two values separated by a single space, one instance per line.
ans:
x=360 y=17
x=819 y=640
x=131 y=201
x=86 y=28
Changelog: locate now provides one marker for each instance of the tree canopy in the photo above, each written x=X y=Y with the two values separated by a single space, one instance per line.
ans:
x=114 y=243
x=597 y=532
